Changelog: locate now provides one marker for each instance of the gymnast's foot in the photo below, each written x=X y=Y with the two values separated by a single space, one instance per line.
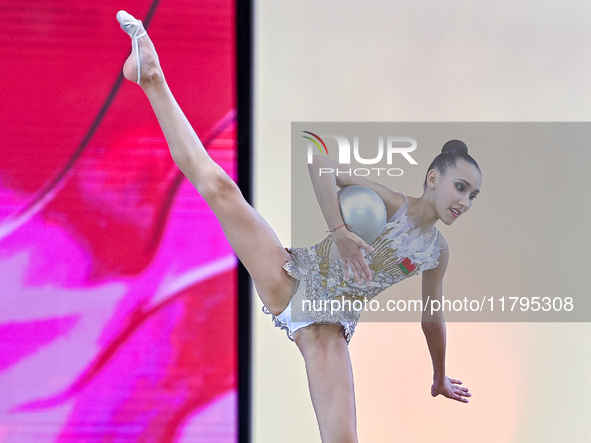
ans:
x=142 y=65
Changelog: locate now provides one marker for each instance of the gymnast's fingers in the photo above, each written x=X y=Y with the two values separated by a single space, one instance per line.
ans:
x=369 y=249
x=345 y=269
x=459 y=398
x=355 y=267
x=365 y=271
x=462 y=391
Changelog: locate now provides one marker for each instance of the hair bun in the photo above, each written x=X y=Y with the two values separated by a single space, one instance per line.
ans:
x=454 y=145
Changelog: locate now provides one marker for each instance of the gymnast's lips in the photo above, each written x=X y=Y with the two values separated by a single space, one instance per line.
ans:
x=455 y=212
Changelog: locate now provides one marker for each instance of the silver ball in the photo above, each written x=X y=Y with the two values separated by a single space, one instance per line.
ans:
x=363 y=210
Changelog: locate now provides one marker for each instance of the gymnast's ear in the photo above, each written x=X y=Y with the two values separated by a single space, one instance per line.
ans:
x=432 y=178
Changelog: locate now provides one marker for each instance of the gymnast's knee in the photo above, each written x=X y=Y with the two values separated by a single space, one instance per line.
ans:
x=319 y=337
x=217 y=185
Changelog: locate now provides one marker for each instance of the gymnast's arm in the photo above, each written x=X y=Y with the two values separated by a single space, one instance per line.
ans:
x=348 y=243
x=433 y=326
x=321 y=164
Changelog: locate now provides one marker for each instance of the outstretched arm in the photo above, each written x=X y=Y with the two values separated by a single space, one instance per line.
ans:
x=433 y=325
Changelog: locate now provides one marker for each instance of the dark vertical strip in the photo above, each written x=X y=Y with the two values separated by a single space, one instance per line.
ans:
x=244 y=88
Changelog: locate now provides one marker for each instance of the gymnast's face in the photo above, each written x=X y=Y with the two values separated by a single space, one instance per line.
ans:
x=455 y=191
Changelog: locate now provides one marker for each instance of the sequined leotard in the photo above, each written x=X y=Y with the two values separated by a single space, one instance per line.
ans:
x=319 y=274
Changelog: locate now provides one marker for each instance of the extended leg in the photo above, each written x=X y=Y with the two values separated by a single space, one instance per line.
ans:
x=330 y=379
x=252 y=239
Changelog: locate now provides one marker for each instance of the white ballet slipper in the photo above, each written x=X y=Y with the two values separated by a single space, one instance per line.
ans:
x=133 y=27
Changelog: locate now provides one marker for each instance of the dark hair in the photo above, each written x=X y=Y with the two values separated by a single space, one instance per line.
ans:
x=451 y=152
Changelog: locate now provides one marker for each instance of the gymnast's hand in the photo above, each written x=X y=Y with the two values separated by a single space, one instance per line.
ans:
x=448 y=387
x=349 y=246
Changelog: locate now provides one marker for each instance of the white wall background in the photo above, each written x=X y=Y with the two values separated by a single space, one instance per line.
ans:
x=425 y=61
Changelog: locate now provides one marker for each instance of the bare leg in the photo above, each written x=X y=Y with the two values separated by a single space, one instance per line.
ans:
x=251 y=238
x=323 y=346
x=330 y=379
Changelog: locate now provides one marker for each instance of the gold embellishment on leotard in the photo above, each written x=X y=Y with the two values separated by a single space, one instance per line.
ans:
x=383 y=259
x=323 y=250
x=354 y=297
x=375 y=243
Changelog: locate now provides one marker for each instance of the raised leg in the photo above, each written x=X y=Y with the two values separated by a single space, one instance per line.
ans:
x=330 y=379
x=323 y=346
x=250 y=236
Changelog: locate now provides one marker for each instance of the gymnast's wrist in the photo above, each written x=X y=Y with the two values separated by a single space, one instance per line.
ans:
x=341 y=234
x=438 y=377
x=343 y=225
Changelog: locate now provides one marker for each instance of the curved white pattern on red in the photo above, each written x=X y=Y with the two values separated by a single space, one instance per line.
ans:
x=118 y=289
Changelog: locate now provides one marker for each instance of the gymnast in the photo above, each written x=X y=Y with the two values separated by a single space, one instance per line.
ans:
x=409 y=244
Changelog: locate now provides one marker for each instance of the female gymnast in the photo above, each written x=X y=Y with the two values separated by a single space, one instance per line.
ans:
x=452 y=182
